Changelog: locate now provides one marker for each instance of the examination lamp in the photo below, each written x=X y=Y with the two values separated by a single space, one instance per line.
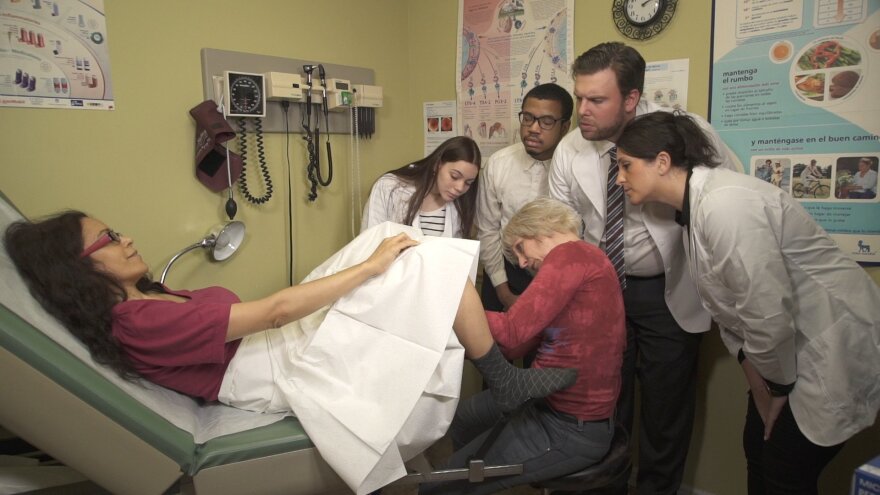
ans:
x=222 y=241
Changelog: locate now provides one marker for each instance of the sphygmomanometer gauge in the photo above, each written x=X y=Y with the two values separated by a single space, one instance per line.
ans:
x=246 y=94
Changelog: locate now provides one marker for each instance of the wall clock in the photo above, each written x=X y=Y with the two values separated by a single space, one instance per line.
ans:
x=642 y=19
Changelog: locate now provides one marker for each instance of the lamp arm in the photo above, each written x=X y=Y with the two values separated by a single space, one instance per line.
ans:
x=178 y=255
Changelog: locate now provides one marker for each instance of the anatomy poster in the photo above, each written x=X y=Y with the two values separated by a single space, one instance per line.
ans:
x=796 y=95
x=439 y=118
x=506 y=48
x=666 y=83
x=53 y=54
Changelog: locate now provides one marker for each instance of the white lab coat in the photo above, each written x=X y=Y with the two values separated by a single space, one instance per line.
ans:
x=375 y=377
x=781 y=289
x=388 y=201
x=578 y=178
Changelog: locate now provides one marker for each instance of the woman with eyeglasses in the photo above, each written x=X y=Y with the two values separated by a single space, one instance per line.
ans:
x=436 y=194
x=801 y=316
x=212 y=346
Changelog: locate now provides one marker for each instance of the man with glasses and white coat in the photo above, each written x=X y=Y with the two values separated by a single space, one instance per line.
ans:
x=512 y=177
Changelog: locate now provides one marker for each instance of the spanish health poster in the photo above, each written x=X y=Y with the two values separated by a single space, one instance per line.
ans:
x=506 y=48
x=796 y=95
x=53 y=54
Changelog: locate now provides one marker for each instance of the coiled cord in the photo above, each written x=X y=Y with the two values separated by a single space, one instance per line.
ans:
x=261 y=156
x=312 y=166
x=313 y=170
x=306 y=112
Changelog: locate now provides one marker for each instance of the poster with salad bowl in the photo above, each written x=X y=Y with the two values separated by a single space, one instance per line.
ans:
x=796 y=89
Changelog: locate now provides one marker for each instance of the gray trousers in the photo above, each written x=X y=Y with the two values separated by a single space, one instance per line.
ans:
x=548 y=445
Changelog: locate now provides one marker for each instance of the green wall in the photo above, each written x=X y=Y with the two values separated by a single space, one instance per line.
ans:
x=133 y=167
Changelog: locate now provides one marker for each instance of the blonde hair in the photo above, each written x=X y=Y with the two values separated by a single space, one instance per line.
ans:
x=540 y=217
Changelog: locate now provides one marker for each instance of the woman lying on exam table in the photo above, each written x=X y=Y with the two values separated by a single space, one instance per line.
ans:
x=94 y=281
x=802 y=317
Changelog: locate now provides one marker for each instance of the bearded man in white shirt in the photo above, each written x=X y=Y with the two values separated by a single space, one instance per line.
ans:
x=664 y=317
x=512 y=177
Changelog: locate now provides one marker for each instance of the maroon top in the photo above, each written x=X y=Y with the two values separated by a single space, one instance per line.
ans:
x=572 y=312
x=179 y=345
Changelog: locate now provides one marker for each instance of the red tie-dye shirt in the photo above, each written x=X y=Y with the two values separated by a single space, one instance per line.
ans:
x=572 y=313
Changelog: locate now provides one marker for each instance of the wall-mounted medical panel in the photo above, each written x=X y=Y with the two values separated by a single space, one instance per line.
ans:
x=215 y=63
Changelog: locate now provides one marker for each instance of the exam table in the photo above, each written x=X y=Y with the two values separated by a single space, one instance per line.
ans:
x=56 y=398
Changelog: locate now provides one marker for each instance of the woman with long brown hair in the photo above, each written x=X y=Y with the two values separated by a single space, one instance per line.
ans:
x=436 y=194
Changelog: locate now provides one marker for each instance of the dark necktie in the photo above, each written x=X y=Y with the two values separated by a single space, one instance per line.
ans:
x=614 y=221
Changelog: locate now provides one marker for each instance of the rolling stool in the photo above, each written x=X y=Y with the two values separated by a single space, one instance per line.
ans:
x=610 y=468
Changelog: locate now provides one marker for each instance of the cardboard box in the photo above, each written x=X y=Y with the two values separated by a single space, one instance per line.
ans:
x=866 y=480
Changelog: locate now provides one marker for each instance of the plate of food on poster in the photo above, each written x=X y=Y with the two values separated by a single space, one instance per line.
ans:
x=827 y=70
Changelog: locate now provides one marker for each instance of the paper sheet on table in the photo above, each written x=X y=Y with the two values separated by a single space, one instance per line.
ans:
x=375 y=378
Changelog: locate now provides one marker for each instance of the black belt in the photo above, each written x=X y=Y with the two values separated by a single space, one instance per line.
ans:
x=568 y=418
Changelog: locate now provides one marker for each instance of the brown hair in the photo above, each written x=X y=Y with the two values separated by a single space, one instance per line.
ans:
x=422 y=175
x=71 y=288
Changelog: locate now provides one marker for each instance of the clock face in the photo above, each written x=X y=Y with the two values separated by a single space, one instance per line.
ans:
x=246 y=97
x=642 y=12
x=642 y=19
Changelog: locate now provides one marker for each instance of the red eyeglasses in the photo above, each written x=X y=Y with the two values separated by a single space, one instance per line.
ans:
x=107 y=238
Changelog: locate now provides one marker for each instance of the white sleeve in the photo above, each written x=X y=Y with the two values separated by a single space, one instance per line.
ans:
x=560 y=171
x=488 y=220
x=379 y=207
x=738 y=230
x=730 y=340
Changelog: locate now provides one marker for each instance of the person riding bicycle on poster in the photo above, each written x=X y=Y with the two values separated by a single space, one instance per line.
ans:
x=811 y=175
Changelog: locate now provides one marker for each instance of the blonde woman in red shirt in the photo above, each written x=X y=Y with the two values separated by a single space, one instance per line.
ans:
x=572 y=315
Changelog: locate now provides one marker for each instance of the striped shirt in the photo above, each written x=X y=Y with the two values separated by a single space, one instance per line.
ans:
x=433 y=222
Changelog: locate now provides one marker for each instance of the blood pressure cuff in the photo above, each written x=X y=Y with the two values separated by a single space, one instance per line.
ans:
x=212 y=130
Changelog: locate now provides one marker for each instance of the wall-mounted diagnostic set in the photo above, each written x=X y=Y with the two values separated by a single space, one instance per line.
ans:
x=257 y=91
x=262 y=93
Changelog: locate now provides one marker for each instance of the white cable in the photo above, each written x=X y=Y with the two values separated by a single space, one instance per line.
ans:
x=228 y=170
x=222 y=111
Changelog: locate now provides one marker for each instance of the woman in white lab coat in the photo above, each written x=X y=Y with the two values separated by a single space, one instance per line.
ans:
x=436 y=194
x=800 y=315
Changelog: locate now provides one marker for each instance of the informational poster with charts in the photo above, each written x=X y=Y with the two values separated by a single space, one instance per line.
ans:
x=506 y=48
x=439 y=117
x=53 y=54
x=796 y=95
x=666 y=83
